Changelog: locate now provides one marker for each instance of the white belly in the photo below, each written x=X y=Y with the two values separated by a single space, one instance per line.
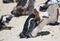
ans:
x=41 y=14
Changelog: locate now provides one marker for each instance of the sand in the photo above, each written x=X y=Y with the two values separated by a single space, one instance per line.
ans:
x=17 y=24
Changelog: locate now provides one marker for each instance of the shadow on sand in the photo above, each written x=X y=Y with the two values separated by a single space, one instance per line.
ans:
x=54 y=24
x=6 y=28
x=43 y=33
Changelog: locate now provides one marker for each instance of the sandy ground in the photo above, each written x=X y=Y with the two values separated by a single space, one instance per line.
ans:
x=17 y=23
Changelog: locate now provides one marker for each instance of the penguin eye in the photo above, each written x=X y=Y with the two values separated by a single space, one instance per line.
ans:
x=44 y=8
x=41 y=8
x=7 y=19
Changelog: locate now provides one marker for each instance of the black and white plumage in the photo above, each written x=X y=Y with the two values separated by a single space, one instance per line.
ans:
x=31 y=23
x=4 y=21
x=23 y=7
x=52 y=2
x=45 y=16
